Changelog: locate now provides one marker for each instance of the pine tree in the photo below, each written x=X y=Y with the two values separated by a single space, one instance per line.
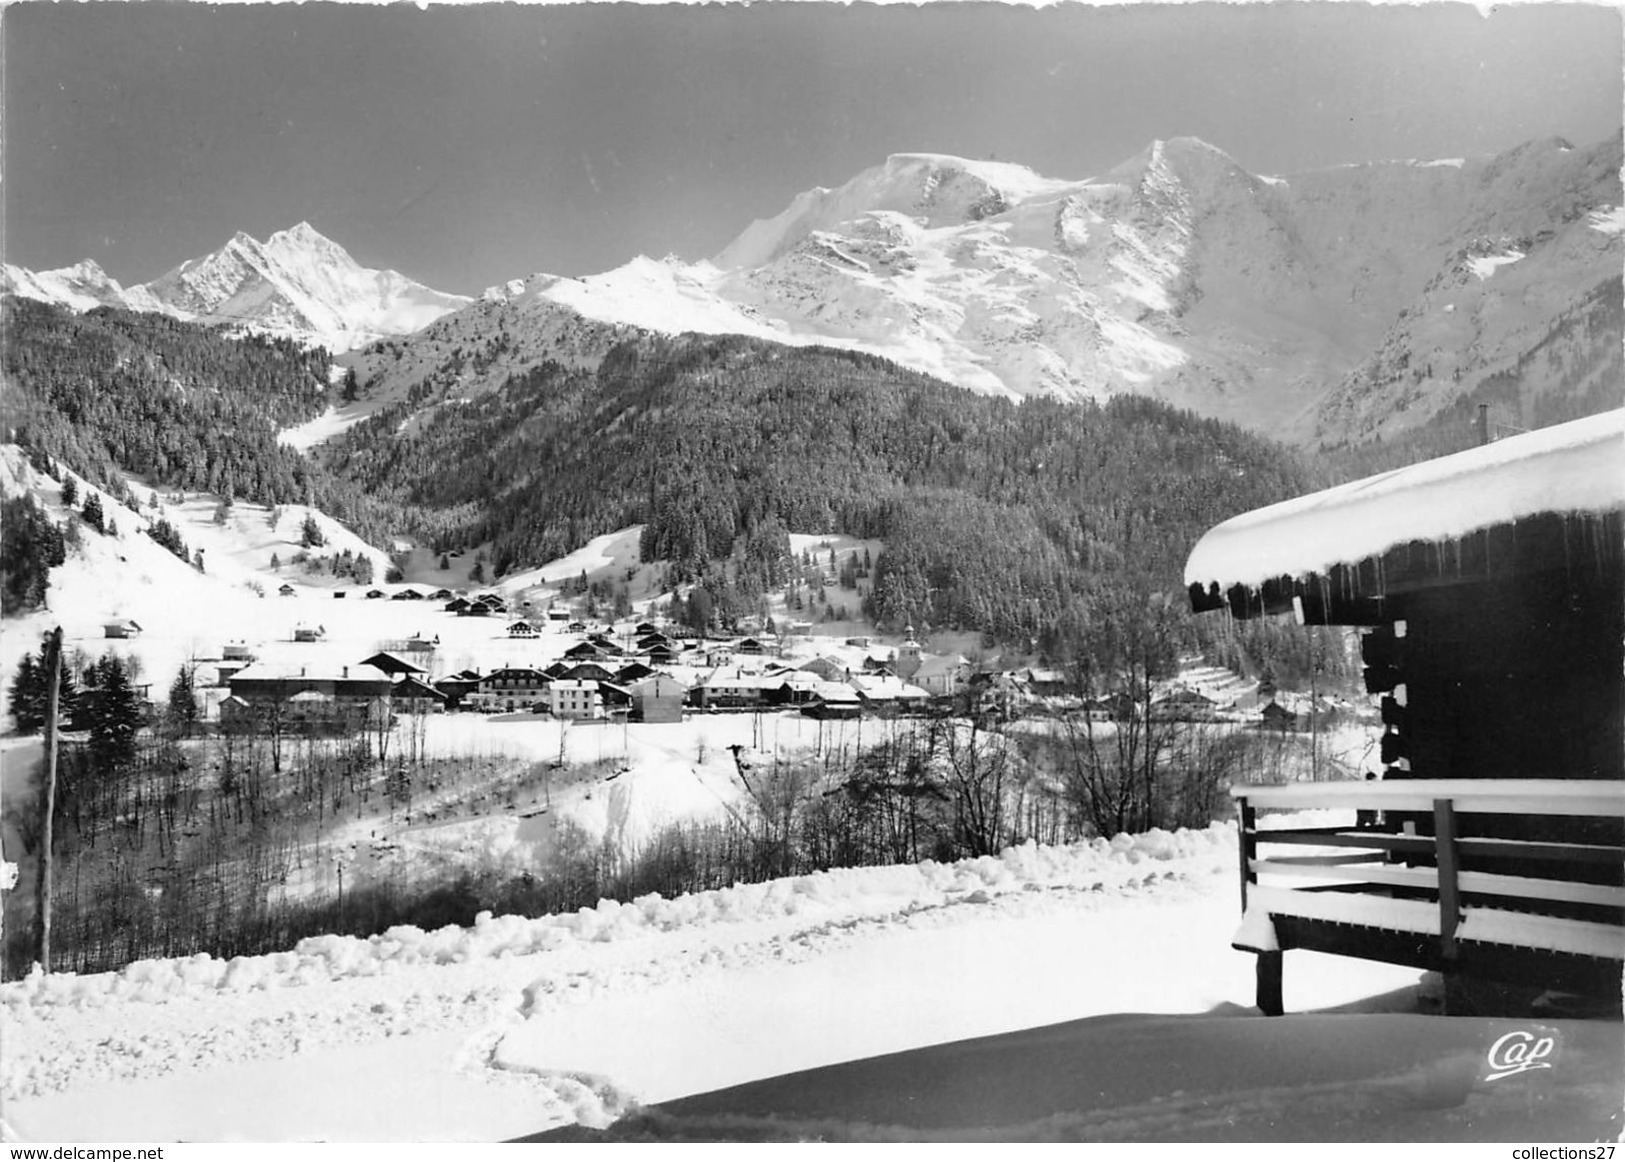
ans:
x=30 y=547
x=112 y=712
x=30 y=694
x=310 y=533
x=92 y=511
x=70 y=491
x=183 y=709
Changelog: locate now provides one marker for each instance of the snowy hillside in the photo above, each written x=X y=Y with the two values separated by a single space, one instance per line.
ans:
x=1176 y=274
x=515 y=1025
x=296 y=283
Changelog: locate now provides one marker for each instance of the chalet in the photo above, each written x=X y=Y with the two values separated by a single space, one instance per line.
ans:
x=236 y=651
x=1047 y=683
x=556 y=615
x=1183 y=706
x=794 y=688
x=861 y=643
x=728 y=691
x=588 y=672
x=604 y=642
x=521 y=629
x=1001 y=692
x=1118 y=707
x=338 y=594
x=658 y=698
x=441 y=595
x=309 y=633
x=311 y=698
x=1487 y=585
x=567 y=699
x=557 y=669
x=413 y=695
x=373 y=594
x=880 y=662
x=617 y=700
x=751 y=647
x=458 y=688
x=633 y=672
x=834 y=701
x=888 y=694
x=828 y=667
x=392 y=664
x=586 y=651
x=407 y=594
x=649 y=641
x=123 y=628
x=661 y=655
x=645 y=627
x=286 y=590
x=577 y=627
x=511 y=688
x=942 y=675
x=1277 y=717
x=457 y=605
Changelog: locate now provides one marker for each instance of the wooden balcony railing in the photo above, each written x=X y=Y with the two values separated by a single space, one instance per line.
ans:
x=1506 y=879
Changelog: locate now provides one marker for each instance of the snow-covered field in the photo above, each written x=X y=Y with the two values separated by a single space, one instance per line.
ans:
x=515 y=1025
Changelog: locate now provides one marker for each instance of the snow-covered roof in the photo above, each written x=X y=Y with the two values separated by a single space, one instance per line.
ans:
x=1577 y=467
x=286 y=670
x=878 y=687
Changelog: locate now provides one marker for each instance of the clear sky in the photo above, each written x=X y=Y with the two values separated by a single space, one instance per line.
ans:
x=466 y=145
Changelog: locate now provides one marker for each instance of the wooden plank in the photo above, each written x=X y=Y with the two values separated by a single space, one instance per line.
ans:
x=1248 y=846
x=1268 y=995
x=1563 y=797
x=1526 y=888
x=1376 y=840
x=1476 y=883
x=1409 y=877
x=1444 y=830
x=1387 y=841
x=1328 y=860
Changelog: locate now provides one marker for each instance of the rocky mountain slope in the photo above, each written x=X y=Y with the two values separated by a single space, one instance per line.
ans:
x=1321 y=307
x=1302 y=306
x=296 y=283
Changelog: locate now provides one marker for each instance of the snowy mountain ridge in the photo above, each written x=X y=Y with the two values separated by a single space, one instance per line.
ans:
x=297 y=283
x=1177 y=274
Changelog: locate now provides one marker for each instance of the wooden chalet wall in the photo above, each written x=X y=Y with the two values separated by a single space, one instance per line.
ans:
x=1515 y=679
x=1513 y=667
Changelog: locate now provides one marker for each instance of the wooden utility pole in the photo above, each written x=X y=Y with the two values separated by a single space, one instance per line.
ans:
x=42 y=903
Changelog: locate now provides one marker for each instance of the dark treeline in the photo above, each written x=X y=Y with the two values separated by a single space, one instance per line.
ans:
x=1021 y=521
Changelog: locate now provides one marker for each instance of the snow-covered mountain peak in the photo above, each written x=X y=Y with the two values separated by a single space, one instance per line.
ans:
x=305 y=245
x=298 y=282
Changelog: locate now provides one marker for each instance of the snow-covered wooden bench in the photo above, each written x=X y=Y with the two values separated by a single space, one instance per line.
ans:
x=1432 y=876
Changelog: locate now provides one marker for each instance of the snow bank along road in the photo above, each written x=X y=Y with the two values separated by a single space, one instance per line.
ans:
x=514 y=1025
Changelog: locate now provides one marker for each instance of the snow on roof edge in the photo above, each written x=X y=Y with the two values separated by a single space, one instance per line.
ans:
x=1577 y=467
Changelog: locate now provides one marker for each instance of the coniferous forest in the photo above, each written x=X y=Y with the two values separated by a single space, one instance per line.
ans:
x=1021 y=521
x=1043 y=525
